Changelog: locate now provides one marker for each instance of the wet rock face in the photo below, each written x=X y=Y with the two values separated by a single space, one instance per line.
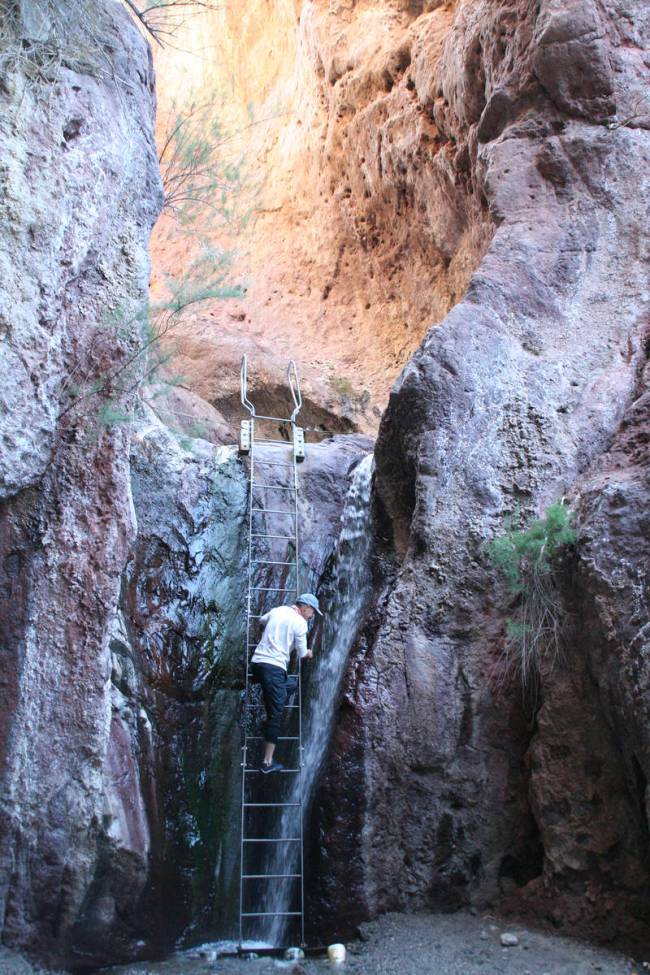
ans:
x=177 y=675
x=505 y=406
x=170 y=770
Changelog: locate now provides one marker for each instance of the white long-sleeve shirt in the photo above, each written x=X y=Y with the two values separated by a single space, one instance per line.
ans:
x=285 y=630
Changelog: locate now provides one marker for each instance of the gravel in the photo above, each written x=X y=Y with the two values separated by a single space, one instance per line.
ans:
x=421 y=944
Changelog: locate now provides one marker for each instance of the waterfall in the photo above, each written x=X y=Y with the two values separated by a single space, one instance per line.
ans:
x=343 y=593
x=344 y=603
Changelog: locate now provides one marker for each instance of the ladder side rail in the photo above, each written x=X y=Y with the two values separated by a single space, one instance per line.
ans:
x=243 y=388
x=247 y=653
x=300 y=745
x=293 y=380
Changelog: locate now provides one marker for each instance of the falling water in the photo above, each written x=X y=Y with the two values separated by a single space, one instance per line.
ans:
x=344 y=605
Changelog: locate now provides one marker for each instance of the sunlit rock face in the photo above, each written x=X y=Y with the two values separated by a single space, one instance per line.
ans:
x=470 y=797
x=367 y=222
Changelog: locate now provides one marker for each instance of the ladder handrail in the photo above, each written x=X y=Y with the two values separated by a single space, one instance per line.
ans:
x=243 y=386
x=293 y=381
x=294 y=385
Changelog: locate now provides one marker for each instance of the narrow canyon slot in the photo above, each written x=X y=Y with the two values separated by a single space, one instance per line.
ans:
x=324 y=335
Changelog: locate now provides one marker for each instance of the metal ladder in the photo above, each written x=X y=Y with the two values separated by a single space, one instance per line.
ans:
x=261 y=535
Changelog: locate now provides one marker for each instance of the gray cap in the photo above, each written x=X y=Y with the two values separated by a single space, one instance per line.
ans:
x=309 y=600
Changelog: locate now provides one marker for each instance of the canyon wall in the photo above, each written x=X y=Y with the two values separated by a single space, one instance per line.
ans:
x=589 y=759
x=122 y=546
x=80 y=193
x=471 y=794
x=367 y=221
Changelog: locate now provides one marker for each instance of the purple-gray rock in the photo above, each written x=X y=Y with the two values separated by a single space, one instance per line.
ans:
x=80 y=193
x=505 y=407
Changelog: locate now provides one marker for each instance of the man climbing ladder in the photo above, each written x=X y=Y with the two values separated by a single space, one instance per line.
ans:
x=271 y=890
x=285 y=630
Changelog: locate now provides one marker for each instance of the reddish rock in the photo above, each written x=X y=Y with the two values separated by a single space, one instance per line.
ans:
x=506 y=405
x=590 y=757
x=366 y=228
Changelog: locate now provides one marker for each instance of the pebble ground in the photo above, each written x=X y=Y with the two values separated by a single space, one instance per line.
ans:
x=421 y=944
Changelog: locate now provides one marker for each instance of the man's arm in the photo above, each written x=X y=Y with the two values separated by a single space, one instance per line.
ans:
x=300 y=644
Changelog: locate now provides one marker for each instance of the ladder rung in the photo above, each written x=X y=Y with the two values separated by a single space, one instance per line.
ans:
x=270 y=839
x=272 y=914
x=276 y=511
x=260 y=738
x=281 y=771
x=281 y=443
x=273 y=589
x=270 y=562
x=279 y=419
x=274 y=487
x=270 y=876
x=252 y=680
x=265 y=535
x=256 y=616
x=274 y=463
x=268 y=805
x=286 y=707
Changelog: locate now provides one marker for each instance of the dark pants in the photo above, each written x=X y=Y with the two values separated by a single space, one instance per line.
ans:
x=275 y=688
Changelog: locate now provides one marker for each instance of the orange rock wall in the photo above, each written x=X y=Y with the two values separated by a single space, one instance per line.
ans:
x=366 y=224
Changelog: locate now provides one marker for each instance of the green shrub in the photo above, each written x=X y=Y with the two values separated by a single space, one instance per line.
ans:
x=526 y=558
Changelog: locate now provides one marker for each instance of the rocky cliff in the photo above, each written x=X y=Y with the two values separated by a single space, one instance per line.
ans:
x=518 y=398
x=122 y=547
x=80 y=193
x=589 y=759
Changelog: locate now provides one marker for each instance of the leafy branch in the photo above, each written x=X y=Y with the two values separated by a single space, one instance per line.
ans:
x=113 y=388
x=194 y=174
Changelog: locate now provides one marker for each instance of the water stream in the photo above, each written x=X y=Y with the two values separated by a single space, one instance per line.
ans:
x=344 y=603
